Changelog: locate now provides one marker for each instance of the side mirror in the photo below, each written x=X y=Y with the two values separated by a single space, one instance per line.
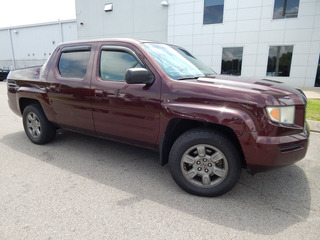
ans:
x=139 y=76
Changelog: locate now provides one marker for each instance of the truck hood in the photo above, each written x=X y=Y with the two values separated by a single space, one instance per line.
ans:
x=273 y=92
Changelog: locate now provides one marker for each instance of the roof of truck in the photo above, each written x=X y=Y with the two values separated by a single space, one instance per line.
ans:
x=127 y=40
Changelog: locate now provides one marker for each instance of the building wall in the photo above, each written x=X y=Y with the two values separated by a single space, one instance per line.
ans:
x=141 y=19
x=5 y=49
x=249 y=24
x=246 y=23
x=33 y=44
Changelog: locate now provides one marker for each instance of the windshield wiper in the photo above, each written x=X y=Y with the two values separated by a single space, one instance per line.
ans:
x=186 y=78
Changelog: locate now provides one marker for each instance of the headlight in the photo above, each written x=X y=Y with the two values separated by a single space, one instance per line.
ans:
x=283 y=115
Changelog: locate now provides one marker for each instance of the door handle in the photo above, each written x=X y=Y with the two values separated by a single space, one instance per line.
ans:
x=52 y=88
x=98 y=93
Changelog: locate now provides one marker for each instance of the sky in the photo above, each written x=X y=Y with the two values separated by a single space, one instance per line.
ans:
x=23 y=12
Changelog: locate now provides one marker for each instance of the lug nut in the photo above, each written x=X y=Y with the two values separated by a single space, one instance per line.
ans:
x=209 y=165
x=204 y=159
x=206 y=170
x=198 y=162
x=199 y=169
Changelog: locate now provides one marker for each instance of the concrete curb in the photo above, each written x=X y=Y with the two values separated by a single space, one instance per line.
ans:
x=314 y=126
x=312 y=93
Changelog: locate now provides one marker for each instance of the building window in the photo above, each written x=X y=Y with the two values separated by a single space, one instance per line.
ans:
x=231 y=61
x=213 y=11
x=317 y=83
x=279 y=61
x=285 y=9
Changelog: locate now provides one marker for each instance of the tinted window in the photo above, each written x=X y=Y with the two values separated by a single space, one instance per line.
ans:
x=285 y=9
x=213 y=11
x=73 y=64
x=231 y=61
x=279 y=61
x=114 y=65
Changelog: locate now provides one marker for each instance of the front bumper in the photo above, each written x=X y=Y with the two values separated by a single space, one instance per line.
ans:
x=275 y=152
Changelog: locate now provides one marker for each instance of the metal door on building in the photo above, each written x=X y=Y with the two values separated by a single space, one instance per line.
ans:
x=317 y=82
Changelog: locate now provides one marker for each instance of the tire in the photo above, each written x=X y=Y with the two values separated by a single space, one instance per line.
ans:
x=36 y=125
x=204 y=162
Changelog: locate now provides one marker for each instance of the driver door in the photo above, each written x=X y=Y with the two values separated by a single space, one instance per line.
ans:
x=121 y=111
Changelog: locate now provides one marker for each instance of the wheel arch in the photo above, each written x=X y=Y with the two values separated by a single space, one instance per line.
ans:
x=24 y=102
x=178 y=126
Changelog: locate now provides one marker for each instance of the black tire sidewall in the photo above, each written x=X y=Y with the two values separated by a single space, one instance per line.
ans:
x=217 y=140
x=47 y=130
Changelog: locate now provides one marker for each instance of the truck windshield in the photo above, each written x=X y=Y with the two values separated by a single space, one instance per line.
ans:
x=177 y=62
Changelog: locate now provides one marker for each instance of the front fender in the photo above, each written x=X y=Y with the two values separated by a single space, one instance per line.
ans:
x=238 y=120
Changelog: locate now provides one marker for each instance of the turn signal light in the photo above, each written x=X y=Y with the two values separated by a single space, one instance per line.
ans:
x=283 y=115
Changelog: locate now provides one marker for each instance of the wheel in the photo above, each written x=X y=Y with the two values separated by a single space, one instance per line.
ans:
x=204 y=162
x=36 y=125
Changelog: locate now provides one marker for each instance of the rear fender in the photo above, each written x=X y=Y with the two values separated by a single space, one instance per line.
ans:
x=39 y=94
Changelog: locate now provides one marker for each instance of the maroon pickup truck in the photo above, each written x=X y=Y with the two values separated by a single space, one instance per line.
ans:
x=158 y=96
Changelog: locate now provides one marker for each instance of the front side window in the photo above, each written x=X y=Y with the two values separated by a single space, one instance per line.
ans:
x=231 y=61
x=176 y=62
x=213 y=11
x=285 y=9
x=73 y=64
x=279 y=61
x=114 y=64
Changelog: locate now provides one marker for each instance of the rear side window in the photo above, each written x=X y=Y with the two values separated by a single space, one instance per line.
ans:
x=114 y=64
x=73 y=64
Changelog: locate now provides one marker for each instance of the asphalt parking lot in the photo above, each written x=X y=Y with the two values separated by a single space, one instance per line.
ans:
x=80 y=187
